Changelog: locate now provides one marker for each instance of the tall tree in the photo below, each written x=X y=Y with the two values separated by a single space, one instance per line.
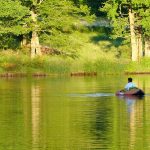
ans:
x=130 y=14
x=36 y=17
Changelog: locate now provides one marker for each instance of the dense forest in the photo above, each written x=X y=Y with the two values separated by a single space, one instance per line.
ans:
x=66 y=32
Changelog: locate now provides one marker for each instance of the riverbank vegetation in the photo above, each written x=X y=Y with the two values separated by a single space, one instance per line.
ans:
x=90 y=56
x=74 y=36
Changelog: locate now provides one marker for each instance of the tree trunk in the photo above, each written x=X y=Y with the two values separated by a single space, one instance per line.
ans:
x=147 y=47
x=35 y=46
x=24 y=41
x=139 y=46
x=133 y=37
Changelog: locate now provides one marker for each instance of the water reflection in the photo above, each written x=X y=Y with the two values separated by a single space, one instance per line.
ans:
x=102 y=125
x=41 y=114
x=35 y=114
x=135 y=118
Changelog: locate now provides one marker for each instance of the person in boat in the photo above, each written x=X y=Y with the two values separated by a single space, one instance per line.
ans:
x=129 y=85
x=128 y=90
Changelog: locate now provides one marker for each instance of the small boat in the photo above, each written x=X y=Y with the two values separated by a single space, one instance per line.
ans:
x=135 y=91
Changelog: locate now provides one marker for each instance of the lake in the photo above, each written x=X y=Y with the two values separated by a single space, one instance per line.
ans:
x=73 y=113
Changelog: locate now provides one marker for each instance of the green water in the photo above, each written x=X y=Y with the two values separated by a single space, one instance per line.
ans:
x=73 y=113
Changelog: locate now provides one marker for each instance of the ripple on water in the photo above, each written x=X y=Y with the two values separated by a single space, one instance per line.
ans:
x=93 y=95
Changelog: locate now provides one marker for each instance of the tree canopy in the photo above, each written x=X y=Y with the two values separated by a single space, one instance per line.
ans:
x=41 y=21
x=130 y=18
x=14 y=18
x=40 y=17
x=117 y=12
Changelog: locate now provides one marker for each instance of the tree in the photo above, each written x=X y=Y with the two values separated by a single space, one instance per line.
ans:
x=36 y=17
x=13 y=17
x=93 y=5
x=130 y=17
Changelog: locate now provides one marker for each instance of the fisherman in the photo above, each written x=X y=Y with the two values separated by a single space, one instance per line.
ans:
x=129 y=85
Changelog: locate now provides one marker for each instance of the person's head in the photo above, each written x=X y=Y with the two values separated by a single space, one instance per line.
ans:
x=129 y=79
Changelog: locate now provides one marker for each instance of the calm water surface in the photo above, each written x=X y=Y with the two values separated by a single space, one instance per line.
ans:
x=73 y=113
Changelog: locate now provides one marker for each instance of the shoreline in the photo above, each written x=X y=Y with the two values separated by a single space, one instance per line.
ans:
x=137 y=73
x=42 y=74
x=71 y=74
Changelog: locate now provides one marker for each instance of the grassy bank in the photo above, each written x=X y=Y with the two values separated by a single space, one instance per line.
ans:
x=12 y=62
x=142 y=66
x=94 y=52
x=18 y=63
x=15 y=62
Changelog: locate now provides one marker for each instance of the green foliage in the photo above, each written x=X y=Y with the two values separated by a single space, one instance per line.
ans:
x=145 y=22
x=93 y=55
x=52 y=18
x=60 y=16
x=9 y=41
x=65 y=42
x=13 y=18
x=117 y=11
x=60 y=25
x=93 y=5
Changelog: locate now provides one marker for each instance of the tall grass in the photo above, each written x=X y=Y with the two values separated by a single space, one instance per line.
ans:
x=93 y=54
x=16 y=62
x=101 y=66
x=141 y=66
x=99 y=58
